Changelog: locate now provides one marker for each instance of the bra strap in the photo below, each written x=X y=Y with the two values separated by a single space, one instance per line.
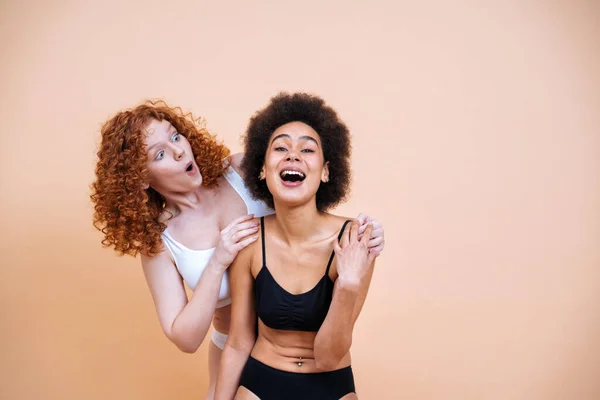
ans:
x=262 y=231
x=333 y=252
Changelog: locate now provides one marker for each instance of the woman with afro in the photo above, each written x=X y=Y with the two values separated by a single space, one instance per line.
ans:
x=297 y=292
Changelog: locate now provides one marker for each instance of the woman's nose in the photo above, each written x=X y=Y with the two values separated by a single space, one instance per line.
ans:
x=179 y=153
x=292 y=155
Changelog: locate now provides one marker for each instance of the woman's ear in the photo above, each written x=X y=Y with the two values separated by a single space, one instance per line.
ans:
x=325 y=174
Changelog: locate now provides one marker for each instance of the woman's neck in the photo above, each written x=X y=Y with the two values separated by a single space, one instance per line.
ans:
x=298 y=223
x=200 y=198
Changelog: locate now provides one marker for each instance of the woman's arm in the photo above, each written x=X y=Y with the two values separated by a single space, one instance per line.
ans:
x=242 y=331
x=355 y=269
x=186 y=323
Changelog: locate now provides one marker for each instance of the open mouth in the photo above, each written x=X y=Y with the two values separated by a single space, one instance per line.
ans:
x=189 y=167
x=289 y=175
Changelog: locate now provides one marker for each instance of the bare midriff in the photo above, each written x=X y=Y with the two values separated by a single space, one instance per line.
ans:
x=291 y=351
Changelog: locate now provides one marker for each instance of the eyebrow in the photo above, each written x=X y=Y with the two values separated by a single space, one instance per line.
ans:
x=151 y=147
x=285 y=135
x=170 y=130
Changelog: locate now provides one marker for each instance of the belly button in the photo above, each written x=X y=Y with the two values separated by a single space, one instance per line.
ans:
x=300 y=362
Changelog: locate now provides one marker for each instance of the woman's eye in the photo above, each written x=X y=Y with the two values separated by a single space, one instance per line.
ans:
x=159 y=155
x=308 y=151
x=176 y=137
x=280 y=148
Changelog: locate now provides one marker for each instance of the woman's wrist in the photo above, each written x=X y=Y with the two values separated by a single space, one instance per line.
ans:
x=348 y=284
x=216 y=266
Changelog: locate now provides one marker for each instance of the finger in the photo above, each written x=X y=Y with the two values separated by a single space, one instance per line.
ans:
x=244 y=225
x=376 y=251
x=376 y=226
x=367 y=235
x=345 y=239
x=375 y=241
x=239 y=246
x=377 y=229
x=237 y=221
x=362 y=218
x=236 y=237
x=336 y=247
x=361 y=230
x=353 y=231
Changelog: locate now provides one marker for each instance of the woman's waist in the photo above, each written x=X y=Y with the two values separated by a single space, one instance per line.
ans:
x=222 y=319
x=292 y=352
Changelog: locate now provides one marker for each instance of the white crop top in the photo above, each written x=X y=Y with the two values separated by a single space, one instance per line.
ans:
x=191 y=263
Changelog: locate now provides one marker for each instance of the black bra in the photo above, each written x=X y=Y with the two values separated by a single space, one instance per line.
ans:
x=279 y=309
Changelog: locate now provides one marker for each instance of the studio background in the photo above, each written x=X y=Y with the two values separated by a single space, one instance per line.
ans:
x=476 y=135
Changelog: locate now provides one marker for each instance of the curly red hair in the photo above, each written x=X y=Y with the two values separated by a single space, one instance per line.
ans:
x=125 y=212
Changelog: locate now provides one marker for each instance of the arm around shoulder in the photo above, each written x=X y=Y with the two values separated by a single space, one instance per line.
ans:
x=235 y=160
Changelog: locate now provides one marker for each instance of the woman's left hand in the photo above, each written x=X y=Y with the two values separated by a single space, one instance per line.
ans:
x=353 y=256
x=377 y=241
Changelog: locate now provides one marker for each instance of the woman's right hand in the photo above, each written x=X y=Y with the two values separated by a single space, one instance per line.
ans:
x=236 y=236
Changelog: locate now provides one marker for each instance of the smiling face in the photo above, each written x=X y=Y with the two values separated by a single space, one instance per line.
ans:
x=171 y=163
x=294 y=164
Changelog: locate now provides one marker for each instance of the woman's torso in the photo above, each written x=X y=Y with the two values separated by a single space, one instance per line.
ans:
x=296 y=272
x=191 y=237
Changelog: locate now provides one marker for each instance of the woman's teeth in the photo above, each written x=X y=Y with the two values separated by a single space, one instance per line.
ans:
x=289 y=175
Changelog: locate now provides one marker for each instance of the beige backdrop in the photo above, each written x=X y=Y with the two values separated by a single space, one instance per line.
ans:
x=477 y=142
